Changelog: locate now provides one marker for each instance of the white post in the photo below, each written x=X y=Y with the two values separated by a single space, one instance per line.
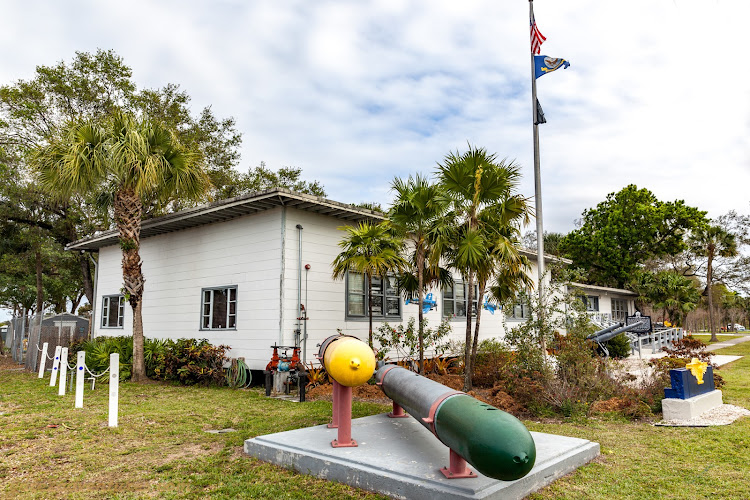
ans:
x=43 y=363
x=114 y=387
x=79 y=378
x=55 y=367
x=63 y=371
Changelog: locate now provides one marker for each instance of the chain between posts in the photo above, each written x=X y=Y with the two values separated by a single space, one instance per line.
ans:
x=94 y=375
x=40 y=350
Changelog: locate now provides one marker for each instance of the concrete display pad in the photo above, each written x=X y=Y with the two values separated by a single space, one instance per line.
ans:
x=400 y=458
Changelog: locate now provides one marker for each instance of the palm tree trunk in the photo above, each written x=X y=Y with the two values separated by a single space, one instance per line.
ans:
x=468 y=368
x=139 y=361
x=88 y=283
x=709 y=276
x=475 y=344
x=128 y=214
x=39 y=285
x=420 y=314
x=369 y=307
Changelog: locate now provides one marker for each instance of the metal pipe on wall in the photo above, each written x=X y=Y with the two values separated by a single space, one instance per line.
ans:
x=299 y=288
x=92 y=322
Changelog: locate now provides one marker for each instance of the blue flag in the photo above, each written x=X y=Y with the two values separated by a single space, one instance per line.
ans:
x=545 y=64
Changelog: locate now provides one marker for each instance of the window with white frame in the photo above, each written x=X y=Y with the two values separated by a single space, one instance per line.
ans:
x=385 y=299
x=113 y=308
x=592 y=302
x=454 y=300
x=520 y=310
x=219 y=308
x=619 y=309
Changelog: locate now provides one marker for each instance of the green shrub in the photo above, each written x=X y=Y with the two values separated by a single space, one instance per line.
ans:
x=98 y=351
x=493 y=364
x=187 y=361
x=619 y=347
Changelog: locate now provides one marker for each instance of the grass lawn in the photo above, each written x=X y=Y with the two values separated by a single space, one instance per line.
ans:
x=706 y=338
x=161 y=450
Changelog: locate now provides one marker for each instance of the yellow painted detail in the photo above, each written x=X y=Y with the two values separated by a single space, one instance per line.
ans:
x=697 y=368
x=349 y=361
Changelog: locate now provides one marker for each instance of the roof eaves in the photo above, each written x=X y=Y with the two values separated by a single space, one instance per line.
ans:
x=230 y=208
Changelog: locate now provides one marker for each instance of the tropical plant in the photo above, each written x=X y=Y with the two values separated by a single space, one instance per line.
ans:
x=89 y=86
x=416 y=210
x=482 y=223
x=670 y=291
x=133 y=160
x=316 y=376
x=404 y=341
x=712 y=242
x=371 y=250
x=189 y=362
x=504 y=267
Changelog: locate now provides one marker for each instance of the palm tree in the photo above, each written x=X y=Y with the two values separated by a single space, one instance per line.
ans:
x=135 y=160
x=416 y=209
x=371 y=250
x=712 y=242
x=676 y=294
x=503 y=261
x=474 y=182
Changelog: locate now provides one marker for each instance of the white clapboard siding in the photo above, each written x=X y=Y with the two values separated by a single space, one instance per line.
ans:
x=250 y=252
x=242 y=252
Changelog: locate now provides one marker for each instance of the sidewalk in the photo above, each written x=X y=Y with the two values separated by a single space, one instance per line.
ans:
x=728 y=343
x=639 y=366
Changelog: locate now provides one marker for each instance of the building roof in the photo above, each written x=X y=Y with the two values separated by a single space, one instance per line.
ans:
x=224 y=210
x=618 y=291
x=252 y=203
x=531 y=254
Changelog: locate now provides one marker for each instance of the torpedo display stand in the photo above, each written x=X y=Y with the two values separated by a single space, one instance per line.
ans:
x=400 y=457
x=343 y=416
x=350 y=362
x=457 y=468
x=397 y=412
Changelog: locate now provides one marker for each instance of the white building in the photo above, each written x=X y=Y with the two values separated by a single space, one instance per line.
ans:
x=235 y=271
x=605 y=305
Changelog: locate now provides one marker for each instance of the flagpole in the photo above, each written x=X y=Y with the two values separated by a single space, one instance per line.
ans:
x=537 y=180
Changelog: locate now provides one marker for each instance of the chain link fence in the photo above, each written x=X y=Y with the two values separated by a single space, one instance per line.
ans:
x=27 y=334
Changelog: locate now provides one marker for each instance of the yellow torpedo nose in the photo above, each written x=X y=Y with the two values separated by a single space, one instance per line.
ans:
x=349 y=361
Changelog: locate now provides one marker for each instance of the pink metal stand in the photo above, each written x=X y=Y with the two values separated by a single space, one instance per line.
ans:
x=342 y=416
x=457 y=468
x=397 y=412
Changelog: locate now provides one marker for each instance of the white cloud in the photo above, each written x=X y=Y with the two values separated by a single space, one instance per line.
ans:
x=356 y=93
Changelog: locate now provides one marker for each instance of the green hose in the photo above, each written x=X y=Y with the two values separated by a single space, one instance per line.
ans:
x=238 y=374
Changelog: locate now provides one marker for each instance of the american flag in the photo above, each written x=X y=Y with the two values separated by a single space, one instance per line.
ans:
x=537 y=39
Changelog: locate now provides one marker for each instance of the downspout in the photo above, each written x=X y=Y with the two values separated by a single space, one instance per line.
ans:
x=92 y=323
x=298 y=332
x=281 y=275
x=307 y=310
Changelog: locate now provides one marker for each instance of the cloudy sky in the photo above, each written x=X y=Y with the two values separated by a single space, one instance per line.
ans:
x=357 y=92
